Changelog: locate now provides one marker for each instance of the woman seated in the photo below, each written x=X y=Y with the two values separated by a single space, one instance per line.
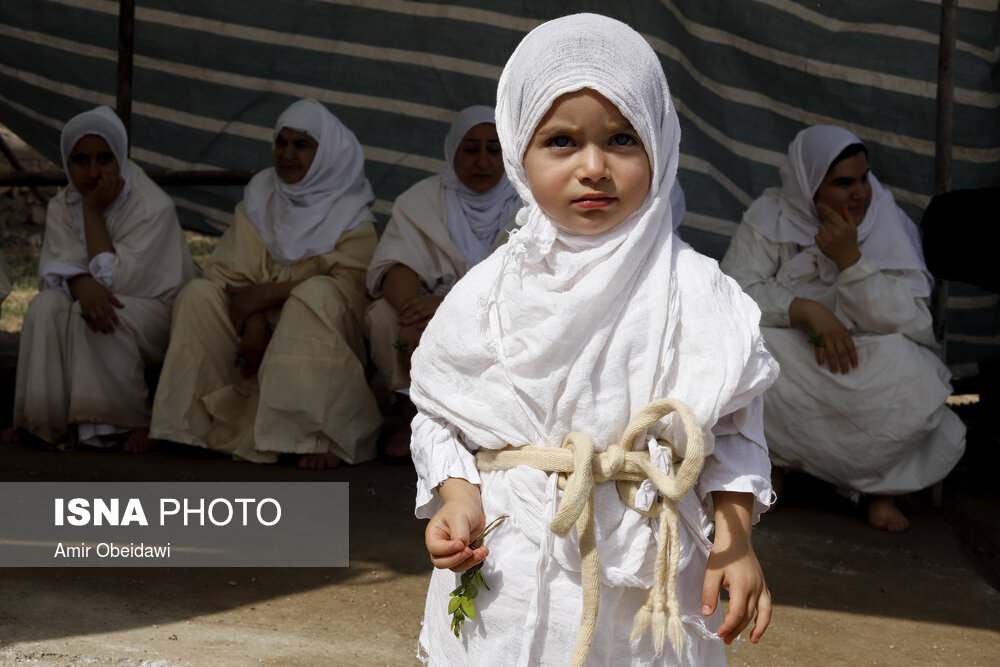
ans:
x=836 y=268
x=265 y=351
x=440 y=228
x=113 y=259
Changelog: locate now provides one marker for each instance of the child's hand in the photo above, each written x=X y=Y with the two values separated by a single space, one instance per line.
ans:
x=734 y=565
x=451 y=529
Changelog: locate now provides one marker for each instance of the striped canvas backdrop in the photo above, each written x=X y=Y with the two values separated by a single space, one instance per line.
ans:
x=212 y=76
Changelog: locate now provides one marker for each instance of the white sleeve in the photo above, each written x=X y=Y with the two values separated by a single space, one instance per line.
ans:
x=739 y=462
x=56 y=275
x=100 y=268
x=439 y=452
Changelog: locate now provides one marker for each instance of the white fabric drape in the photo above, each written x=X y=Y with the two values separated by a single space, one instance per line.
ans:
x=552 y=333
x=301 y=220
x=886 y=236
x=474 y=219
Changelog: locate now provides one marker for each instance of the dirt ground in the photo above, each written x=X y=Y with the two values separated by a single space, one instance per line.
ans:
x=845 y=594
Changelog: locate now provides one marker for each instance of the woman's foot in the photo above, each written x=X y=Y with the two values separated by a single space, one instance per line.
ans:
x=395 y=449
x=884 y=515
x=319 y=461
x=10 y=434
x=138 y=441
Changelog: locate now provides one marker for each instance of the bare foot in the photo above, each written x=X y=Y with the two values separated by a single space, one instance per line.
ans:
x=396 y=448
x=138 y=441
x=9 y=434
x=319 y=461
x=884 y=515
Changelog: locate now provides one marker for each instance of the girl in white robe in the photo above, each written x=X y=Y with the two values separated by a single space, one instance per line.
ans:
x=266 y=351
x=592 y=310
x=113 y=259
x=860 y=401
x=439 y=228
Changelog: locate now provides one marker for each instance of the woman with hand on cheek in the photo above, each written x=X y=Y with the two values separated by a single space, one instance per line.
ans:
x=266 y=352
x=837 y=270
x=440 y=228
x=113 y=260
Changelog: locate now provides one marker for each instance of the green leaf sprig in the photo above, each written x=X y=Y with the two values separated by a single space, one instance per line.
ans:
x=815 y=338
x=461 y=605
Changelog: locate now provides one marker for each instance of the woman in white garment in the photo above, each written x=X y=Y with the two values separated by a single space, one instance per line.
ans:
x=113 y=259
x=440 y=228
x=266 y=351
x=836 y=268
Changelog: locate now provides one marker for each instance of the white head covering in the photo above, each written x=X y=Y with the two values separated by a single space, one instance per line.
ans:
x=106 y=124
x=474 y=219
x=304 y=219
x=559 y=332
x=886 y=236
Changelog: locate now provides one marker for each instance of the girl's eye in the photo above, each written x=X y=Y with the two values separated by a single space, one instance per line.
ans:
x=561 y=141
x=79 y=159
x=105 y=158
x=301 y=144
x=280 y=141
x=623 y=140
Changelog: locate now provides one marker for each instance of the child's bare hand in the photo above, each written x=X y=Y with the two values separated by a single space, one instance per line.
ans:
x=457 y=523
x=837 y=237
x=733 y=564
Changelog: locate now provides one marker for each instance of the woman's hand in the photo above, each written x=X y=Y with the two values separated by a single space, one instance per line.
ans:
x=97 y=304
x=109 y=186
x=407 y=342
x=245 y=301
x=418 y=310
x=733 y=564
x=458 y=522
x=837 y=237
x=835 y=346
x=256 y=336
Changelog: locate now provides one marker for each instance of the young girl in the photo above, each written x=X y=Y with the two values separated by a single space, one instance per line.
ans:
x=592 y=311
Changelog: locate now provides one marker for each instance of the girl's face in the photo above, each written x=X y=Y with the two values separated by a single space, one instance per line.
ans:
x=90 y=159
x=847 y=185
x=293 y=154
x=478 y=160
x=585 y=164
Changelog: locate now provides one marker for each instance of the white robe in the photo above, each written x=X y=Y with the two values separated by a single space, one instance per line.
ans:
x=68 y=374
x=882 y=428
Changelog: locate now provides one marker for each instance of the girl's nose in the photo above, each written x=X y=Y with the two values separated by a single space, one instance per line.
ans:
x=593 y=165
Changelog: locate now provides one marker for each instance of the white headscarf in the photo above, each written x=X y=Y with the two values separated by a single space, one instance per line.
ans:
x=559 y=332
x=305 y=219
x=886 y=236
x=474 y=219
x=106 y=124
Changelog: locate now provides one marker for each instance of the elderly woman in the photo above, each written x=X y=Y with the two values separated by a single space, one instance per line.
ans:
x=440 y=228
x=836 y=268
x=113 y=260
x=266 y=352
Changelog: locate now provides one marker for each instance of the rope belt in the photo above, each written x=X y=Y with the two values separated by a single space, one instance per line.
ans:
x=579 y=468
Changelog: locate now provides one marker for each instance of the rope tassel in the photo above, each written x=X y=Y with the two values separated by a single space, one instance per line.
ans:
x=579 y=468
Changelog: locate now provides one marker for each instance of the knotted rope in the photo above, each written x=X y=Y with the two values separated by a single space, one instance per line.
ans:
x=579 y=468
